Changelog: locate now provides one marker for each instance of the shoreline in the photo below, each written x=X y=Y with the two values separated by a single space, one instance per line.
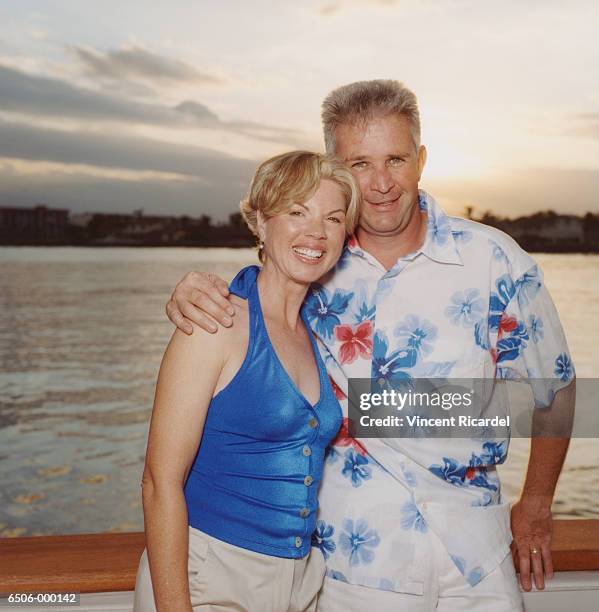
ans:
x=236 y=245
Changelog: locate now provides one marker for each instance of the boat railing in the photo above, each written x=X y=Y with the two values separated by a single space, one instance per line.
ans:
x=107 y=562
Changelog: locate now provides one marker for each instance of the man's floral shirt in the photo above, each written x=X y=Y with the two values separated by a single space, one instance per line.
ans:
x=470 y=303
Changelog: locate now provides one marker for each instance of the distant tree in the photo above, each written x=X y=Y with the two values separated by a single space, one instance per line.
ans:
x=236 y=221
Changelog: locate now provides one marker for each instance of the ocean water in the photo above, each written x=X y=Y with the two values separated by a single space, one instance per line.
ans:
x=82 y=332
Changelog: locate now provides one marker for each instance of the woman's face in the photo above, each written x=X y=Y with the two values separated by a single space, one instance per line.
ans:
x=306 y=241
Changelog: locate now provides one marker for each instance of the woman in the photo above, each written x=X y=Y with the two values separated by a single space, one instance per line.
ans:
x=228 y=526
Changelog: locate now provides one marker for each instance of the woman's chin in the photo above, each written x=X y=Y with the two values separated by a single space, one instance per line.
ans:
x=307 y=273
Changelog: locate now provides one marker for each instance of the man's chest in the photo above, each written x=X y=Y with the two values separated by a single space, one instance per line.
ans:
x=419 y=320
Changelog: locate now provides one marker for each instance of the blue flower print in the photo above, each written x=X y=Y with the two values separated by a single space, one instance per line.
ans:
x=466 y=309
x=459 y=562
x=450 y=471
x=479 y=478
x=506 y=374
x=388 y=367
x=563 y=367
x=410 y=478
x=528 y=285
x=357 y=542
x=459 y=475
x=494 y=452
x=362 y=306
x=509 y=349
x=335 y=575
x=535 y=328
x=322 y=538
x=439 y=229
x=364 y=312
x=485 y=500
x=356 y=467
x=323 y=312
x=474 y=576
x=481 y=334
x=462 y=236
x=498 y=252
x=416 y=334
x=386 y=585
x=499 y=300
x=412 y=519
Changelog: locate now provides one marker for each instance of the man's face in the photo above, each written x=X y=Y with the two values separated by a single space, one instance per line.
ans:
x=382 y=158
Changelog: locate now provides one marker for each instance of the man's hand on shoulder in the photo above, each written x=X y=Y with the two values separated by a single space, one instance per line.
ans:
x=201 y=298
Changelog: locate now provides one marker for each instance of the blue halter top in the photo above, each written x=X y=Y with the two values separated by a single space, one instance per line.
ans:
x=254 y=480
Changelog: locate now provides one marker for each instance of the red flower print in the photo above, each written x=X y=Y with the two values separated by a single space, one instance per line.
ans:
x=353 y=243
x=356 y=341
x=507 y=324
x=345 y=439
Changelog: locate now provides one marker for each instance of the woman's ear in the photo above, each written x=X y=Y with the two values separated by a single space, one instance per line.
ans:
x=260 y=226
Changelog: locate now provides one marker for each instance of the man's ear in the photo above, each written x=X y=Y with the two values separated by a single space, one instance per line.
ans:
x=421 y=159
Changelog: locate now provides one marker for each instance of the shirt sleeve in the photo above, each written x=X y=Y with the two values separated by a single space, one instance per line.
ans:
x=531 y=343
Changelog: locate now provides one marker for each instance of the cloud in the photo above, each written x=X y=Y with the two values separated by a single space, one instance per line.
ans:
x=82 y=193
x=197 y=111
x=50 y=97
x=211 y=182
x=136 y=62
x=22 y=141
x=196 y=180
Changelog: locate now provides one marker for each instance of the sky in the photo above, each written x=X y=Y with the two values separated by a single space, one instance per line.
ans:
x=170 y=106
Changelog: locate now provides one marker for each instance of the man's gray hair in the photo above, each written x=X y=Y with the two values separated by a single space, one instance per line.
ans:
x=362 y=101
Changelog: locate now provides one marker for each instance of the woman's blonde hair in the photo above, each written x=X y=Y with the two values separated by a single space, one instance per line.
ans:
x=294 y=177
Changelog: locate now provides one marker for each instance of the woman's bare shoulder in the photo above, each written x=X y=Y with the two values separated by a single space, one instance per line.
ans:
x=240 y=305
x=238 y=332
x=220 y=344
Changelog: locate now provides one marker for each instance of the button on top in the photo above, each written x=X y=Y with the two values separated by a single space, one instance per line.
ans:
x=298 y=542
x=313 y=423
x=307 y=451
x=308 y=480
x=304 y=512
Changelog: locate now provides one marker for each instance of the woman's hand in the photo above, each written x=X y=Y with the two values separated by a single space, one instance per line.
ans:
x=201 y=298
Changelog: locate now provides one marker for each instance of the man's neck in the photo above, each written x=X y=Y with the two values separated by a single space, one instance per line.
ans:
x=388 y=249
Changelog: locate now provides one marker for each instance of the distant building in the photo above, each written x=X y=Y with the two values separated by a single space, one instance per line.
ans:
x=135 y=229
x=80 y=219
x=563 y=228
x=548 y=228
x=38 y=225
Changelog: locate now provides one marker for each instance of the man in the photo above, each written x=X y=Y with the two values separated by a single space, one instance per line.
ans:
x=420 y=524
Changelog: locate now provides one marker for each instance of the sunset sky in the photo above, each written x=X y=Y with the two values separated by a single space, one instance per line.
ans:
x=168 y=106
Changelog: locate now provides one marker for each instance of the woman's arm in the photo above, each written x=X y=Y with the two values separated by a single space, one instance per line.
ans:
x=189 y=372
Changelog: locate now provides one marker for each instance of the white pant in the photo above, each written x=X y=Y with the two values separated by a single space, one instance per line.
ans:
x=445 y=590
x=226 y=577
